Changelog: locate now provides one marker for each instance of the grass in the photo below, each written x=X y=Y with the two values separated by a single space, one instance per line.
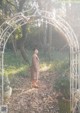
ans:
x=15 y=65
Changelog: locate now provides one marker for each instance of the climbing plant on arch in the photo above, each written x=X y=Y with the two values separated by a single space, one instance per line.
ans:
x=10 y=25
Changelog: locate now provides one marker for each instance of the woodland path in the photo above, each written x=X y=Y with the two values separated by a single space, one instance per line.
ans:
x=25 y=99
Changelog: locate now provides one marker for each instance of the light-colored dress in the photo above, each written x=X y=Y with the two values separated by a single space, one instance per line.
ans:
x=35 y=67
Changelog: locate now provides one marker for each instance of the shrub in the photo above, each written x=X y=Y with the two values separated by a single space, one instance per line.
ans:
x=62 y=82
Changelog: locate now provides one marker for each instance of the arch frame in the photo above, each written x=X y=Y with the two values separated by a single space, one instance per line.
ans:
x=19 y=19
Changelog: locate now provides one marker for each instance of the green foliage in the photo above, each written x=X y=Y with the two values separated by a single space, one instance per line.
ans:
x=18 y=33
x=64 y=106
x=15 y=65
x=62 y=82
x=55 y=57
x=62 y=67
x=62 y=86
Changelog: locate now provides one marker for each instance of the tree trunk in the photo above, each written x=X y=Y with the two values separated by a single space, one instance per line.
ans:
x=44 y=36
x=13 y=40
x=21 y=44
x=50 y=39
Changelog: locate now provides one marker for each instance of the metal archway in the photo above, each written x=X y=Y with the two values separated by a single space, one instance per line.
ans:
x=9 y=26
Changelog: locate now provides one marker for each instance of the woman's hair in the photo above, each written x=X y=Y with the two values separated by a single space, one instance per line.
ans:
x=36 y=50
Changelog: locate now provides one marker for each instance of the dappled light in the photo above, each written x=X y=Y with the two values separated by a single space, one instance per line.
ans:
x=45 y=67
x=39 y=56
x=12 y=70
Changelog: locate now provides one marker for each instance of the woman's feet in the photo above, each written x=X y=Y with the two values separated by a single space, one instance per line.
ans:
x=34 y=84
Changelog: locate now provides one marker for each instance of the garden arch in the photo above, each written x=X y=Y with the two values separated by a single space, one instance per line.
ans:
x=10 y=25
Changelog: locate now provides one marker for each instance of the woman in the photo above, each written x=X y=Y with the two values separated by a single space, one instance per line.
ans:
x=35 y=69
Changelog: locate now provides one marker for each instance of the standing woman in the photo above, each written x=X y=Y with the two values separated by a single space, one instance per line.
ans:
x=35 y=69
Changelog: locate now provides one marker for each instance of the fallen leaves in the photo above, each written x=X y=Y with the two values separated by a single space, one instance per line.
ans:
x=32 y=100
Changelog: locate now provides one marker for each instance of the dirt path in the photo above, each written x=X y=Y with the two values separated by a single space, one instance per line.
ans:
x=30 y=100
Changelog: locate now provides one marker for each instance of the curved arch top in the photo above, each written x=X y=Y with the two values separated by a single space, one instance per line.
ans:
x=57 y=21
